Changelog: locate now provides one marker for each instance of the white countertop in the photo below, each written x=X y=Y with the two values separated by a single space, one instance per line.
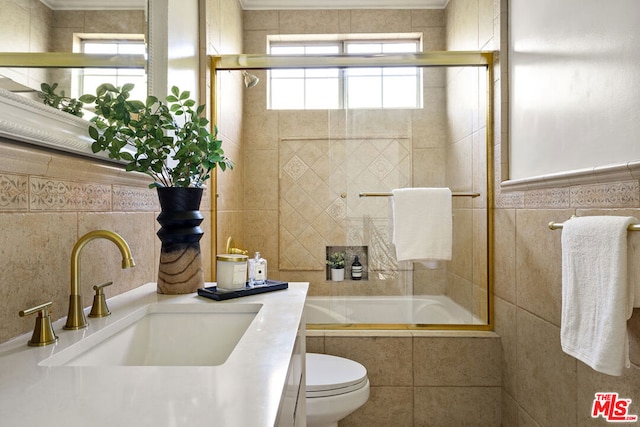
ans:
x=245 y=391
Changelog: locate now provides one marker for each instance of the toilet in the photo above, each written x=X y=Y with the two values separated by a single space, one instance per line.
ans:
x=335 y=388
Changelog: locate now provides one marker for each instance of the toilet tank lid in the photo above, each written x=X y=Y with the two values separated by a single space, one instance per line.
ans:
x=326 y=372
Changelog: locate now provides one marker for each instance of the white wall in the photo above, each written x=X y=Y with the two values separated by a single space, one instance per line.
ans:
x=574 y=84
x=173 y=47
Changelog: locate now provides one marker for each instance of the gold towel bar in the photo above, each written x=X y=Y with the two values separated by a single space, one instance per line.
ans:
x=559 y=225
x=390 y=194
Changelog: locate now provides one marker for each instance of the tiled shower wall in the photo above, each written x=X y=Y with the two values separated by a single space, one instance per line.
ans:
x=417 y=378
x=267 y=132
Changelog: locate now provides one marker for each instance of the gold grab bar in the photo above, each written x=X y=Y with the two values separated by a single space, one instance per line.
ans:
x=559 y=225
x=391 y=194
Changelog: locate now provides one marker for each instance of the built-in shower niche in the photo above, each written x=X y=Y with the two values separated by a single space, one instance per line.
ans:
x=351 y=251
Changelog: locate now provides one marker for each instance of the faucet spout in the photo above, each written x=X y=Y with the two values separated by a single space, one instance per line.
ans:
x=76 y=318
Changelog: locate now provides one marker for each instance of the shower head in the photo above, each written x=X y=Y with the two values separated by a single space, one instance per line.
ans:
x=250 y=80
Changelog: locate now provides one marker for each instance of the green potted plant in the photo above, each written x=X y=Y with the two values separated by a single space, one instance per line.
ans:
x=169 y=141
x=335 y=261
x=60 y=101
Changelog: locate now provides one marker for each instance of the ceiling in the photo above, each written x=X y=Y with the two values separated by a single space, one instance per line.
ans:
x=342 y=4
x=258 y=4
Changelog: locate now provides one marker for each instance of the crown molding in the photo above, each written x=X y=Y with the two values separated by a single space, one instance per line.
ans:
x=342 y=4
x=95 y=4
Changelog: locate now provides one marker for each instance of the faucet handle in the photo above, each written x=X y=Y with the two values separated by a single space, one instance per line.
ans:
x=43 y=333
x=99 y=307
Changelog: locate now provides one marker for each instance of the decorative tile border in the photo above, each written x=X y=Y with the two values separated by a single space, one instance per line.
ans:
x=556 y=198
x=58 y=195
x=619 y=194
x=13 y=192
x=131 y=199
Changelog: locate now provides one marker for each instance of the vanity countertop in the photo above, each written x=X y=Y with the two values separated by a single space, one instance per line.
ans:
x=244 y=391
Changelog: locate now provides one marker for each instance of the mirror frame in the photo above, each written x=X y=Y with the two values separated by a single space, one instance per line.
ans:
x=28 y=121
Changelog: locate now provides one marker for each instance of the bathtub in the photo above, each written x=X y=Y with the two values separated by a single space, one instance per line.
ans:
x=387 y=310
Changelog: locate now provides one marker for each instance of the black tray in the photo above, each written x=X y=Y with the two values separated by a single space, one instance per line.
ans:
x=222 y=294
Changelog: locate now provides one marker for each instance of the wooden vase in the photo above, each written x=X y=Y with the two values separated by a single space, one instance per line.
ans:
x=180 y=268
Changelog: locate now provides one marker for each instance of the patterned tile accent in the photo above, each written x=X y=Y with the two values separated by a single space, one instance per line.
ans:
x=620 y=194
x=295 y=168
x=13 y=192
x=57 y=195
x=319 y=186
x=555 y=198
x=129 y=199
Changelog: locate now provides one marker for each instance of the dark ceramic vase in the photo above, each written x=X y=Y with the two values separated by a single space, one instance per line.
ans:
x=180 y=269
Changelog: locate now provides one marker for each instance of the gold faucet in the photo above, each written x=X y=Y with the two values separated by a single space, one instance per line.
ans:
x=76 y=319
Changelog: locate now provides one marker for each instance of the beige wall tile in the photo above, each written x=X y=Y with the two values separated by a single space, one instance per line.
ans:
x=392 y=21
x=260 y=228
x=427 y=18
x=457 y=361
x=433 y=38
x=101 y=260
x=262 y=184
x=309 y=22
x=454 y=406
x=315 y=342
x=538 y=267
x=509 y=411
x=388 y=361
x=255 y=42
x=504 y=257
x=506 y=328
x=36 y=256
x=387 y=406
x=261 y=20
x=462 y=25
x=546 y=377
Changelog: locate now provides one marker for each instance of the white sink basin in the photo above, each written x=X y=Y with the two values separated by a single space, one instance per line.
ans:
x=163 y=335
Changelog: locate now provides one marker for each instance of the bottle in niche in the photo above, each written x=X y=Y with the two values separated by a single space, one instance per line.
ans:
x=257 y=270
x=356 y=269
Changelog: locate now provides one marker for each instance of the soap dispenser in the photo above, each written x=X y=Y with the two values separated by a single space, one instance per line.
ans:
x=356 y=269
x=257 y=270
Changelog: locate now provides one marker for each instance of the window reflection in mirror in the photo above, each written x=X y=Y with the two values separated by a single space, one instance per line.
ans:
x=32 y=26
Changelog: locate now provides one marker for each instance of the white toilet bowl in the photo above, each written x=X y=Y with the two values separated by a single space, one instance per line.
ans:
x=335 y=388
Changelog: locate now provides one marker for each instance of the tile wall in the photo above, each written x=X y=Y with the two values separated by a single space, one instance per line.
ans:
x=50 y=199
x=411 y=383
x=267 y=134
x=541 y=385
x=421 y=378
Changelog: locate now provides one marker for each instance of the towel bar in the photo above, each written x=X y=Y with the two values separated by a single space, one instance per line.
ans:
x=559 y=225
x=390 y=194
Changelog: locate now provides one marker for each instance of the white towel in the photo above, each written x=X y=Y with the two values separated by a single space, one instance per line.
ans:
x=422 y=224
x=596 y=300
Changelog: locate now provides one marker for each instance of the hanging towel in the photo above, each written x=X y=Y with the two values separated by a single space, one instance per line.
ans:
x=596 y=300
x=422 y=224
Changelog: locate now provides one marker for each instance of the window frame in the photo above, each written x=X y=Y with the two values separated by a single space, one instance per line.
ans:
x=342 y=45
x=82 y=40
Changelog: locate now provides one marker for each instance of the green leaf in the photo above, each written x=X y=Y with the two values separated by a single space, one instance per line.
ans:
x=175 y=91
x=93 y=133
x=128 y=87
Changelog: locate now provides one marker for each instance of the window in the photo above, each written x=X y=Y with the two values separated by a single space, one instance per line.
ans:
x=333 y=88
x=90 y=78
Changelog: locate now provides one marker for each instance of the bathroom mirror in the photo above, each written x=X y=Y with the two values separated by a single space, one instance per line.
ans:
x=75 y=46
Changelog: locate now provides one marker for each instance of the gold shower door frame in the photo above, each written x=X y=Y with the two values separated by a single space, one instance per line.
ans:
x=479 y=59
